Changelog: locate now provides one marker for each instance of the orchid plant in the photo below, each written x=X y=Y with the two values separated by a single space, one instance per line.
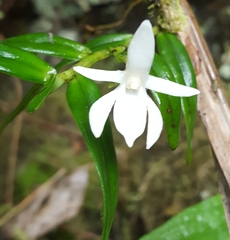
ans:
x=130 y=100
x=167 y=74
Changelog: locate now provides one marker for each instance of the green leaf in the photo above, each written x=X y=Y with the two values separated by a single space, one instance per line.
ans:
x=22 y=105
x=36 y=102
x=109 y=41
x=188 y=73
x=24 y=65
x=204 y=221
x=169 y=106
x=49 y=44
x=177 y=58
x=35 y=89
x=81 y=94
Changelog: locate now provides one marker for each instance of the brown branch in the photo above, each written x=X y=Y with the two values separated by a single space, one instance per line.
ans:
x=212 y=104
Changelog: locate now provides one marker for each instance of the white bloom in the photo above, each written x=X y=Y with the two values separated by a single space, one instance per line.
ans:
x=131 y=103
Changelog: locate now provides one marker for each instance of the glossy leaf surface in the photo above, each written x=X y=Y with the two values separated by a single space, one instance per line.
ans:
x=24 y=65
x=109 y=41
x=81 y=94
x=169 y=106
x=49 y=44
x=204 y=221
x=170 y=49
x=189 y=76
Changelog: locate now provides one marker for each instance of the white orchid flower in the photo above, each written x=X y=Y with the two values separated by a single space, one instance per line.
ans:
x=130 y=99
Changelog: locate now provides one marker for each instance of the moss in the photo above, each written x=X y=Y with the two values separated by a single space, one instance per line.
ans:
x=172 y=18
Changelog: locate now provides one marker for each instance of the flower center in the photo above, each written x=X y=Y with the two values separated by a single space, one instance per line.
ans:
x=133 y=83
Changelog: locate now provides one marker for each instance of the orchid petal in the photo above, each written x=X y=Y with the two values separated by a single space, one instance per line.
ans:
x=130 y=100
x=155 y=123
x=141 y=49
x=100 y=110
x=100 y=75
x=169 y=87
x=130 y=114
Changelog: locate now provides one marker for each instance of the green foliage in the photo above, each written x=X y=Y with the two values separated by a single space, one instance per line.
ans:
x=17 y=58
x=24 y=65
x=49 y=44
x=38 y=99
x=169 y=106
x=204 y=221
x=109 y=41
x=177 y=58
x=101 y=149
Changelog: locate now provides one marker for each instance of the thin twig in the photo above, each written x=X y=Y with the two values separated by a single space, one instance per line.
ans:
x=43 y=124
x=16 y=129
x=16 y=209
x=114 y=24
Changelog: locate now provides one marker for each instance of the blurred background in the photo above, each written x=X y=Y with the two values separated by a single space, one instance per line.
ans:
x=154 y=184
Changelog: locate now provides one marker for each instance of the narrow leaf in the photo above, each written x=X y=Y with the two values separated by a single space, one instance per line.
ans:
x=169 y=52
x=49 y=44
x=169 y=106
x=36 y=102
x=81 y=94
x=24 y=65
x=108 y=41
x=188 y=73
